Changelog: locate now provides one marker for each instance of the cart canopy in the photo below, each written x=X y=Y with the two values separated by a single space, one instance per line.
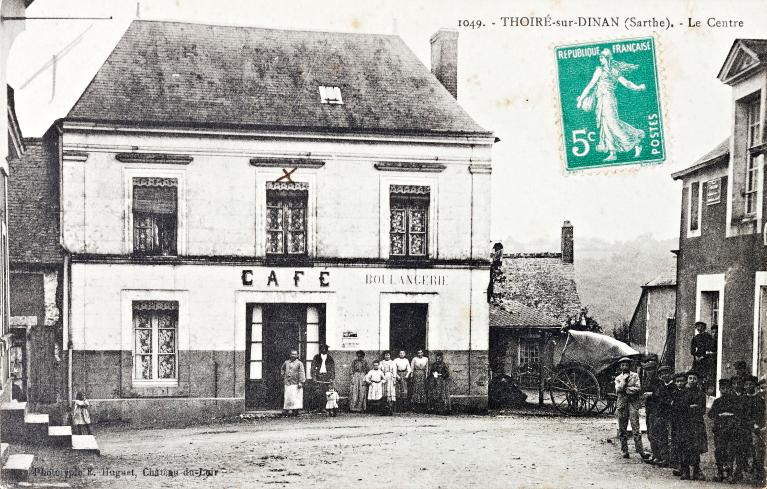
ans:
x=595 y=350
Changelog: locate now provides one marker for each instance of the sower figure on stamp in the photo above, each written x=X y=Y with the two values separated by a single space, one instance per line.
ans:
x=628 y=388
x=323 y=373
x=293 y=377
x=615 y=135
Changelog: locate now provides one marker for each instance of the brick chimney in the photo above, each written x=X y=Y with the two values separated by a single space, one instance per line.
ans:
x=444 y=59
x=568 y=254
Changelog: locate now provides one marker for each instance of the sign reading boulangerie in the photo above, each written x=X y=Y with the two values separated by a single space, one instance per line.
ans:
x=404 y=279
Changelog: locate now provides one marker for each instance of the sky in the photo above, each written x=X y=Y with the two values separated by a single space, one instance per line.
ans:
x=506 y=82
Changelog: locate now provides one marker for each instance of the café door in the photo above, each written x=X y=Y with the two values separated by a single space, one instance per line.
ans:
x=273 y=330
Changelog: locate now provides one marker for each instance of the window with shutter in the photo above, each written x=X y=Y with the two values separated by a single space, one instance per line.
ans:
x=155 y=215
x=694 y=206
x=752 y=169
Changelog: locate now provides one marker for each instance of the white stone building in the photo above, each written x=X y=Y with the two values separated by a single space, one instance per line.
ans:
x=231 y=193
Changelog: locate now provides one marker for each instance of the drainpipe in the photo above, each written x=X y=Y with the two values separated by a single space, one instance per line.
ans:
x=67 y=333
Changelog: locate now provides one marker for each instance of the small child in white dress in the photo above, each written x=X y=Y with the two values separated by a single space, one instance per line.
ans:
x=331 y=404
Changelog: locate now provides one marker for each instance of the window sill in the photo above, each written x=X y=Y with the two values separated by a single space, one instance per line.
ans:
x=138 y=384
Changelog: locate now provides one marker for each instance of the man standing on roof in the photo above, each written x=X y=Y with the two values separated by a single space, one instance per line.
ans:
x=629 y=390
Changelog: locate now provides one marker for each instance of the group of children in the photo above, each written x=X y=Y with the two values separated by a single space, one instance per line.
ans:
x=676 y=406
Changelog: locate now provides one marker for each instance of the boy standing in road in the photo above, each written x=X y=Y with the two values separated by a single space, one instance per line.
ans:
x=754 y=424
x=628 y=388
x=726 y=415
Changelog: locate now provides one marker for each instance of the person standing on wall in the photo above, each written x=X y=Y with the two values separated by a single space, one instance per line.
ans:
x=323 y=373
x=628 y=387
x=293 y=377
x=703 y=350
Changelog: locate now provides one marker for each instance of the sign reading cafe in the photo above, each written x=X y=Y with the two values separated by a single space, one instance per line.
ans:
x=296 y=278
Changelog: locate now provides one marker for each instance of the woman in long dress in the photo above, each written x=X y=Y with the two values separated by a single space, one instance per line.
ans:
x=390 y=382
x=293 y=377
x=358 y=388
x=439 y=387
x=615 y=135
x=404 y=370
x=420 y=367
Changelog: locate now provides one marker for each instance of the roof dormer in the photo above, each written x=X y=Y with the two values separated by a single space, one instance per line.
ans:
x=746 y=56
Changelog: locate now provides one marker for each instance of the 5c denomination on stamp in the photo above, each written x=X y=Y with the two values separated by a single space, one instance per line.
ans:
x=610 y=103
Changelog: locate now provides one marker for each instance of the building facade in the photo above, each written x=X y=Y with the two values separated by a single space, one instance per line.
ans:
x=652 y=326
x=722 y=260
x=11 y=145
x=231 y=193
x=36 y=275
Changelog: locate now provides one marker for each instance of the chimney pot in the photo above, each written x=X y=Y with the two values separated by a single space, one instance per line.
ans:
x=444 y=59
x=568 y=252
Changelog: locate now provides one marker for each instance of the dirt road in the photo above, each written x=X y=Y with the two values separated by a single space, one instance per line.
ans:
x=404 y=451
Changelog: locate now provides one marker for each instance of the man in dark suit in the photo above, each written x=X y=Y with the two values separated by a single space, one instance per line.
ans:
x=703 y=349
x=323 y=373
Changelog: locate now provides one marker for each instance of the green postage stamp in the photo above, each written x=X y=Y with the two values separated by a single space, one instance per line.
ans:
x=610 y=103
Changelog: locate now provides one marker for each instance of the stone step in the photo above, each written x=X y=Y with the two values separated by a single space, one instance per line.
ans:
x=85 y=444
x=60 y=436
x=17 y=467
x=36 y=428
x=12 y=426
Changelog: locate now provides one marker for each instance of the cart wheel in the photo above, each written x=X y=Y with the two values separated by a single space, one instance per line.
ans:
x=606 y=404
x=574 y=390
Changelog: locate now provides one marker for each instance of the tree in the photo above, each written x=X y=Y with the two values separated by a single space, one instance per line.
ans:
x=622 y=332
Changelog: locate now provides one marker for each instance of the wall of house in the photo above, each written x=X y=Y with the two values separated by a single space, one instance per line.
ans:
x=223 y=195
x=735 y=261
x=212 y=320
x=661 y=305
x=36 y=301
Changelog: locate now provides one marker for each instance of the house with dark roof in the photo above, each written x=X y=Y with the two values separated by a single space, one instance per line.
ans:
x=533 y=296
x=11 y=145
x=722 y=260
x=36 y=272
x=230 y=194
x=652 y=326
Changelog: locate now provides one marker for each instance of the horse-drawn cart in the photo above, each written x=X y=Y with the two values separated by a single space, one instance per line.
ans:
x=580 y=379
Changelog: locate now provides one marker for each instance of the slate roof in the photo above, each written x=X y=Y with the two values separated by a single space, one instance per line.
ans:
x=184 y=74
x=514 y=314
x=33 y=205
x=540 y=281
x=667 y=278
x=719 y=154
x=758 y=46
